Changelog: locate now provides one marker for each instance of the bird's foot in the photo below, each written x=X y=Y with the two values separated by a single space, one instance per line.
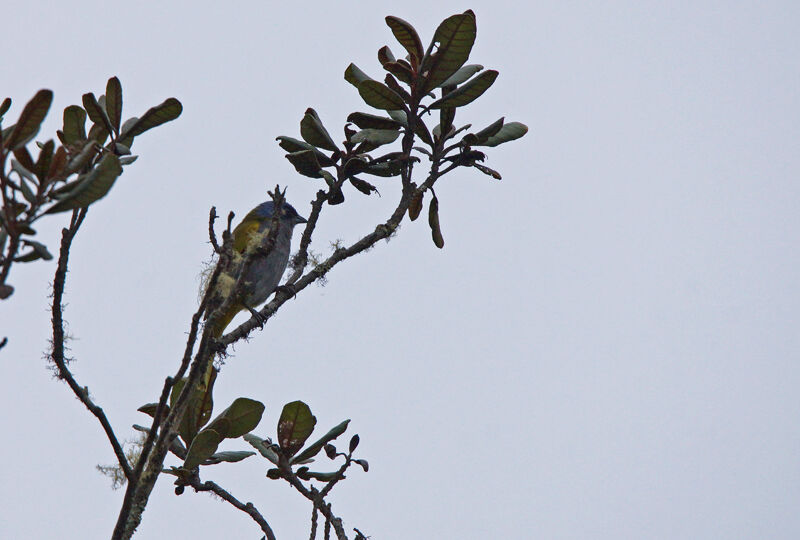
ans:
x=260 y=319
x=287 y=289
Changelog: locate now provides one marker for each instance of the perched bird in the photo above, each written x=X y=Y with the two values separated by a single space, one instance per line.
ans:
x=264 y=272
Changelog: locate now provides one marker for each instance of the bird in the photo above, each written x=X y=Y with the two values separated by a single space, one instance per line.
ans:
x=264 y=272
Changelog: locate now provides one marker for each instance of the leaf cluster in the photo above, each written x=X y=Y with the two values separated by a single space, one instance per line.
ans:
x=418 y=97
x=71 y=173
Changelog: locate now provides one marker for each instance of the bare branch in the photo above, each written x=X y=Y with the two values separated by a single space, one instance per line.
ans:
x=247 y=508
x=57 y=354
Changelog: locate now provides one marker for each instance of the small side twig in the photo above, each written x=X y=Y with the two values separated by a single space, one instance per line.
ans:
x=57 y=354
x=247 y=508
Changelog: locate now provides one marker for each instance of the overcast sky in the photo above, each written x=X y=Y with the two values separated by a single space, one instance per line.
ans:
x=606 y=348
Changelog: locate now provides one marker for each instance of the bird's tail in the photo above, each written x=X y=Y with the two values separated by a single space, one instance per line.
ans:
x=224 y=320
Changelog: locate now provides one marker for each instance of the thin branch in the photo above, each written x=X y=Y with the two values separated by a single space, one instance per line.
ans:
x=247 y=508
x=57 y=354
x=301 y=259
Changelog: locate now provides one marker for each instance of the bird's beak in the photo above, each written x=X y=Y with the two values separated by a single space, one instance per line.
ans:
x=300 y=219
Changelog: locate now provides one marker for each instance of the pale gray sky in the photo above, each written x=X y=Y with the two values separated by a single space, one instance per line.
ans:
x=606 y=348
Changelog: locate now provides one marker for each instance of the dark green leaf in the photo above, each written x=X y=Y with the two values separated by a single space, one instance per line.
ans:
x=91 y=186
x=321 y=476
x=314 y=448
x=95 y=111
x=39 y=248
x=98 y=133
x=22 y=170
x=355 y=76
x=306 y=163
x=384 y=56
x=363 y=463
x=24 y=158
x=455 y=37
x=30 y=120
x=415 y=207
x=354 y=165
x=377 y=137
x=462 y=75
x=114 y=102
x=167 y=111
x=295 y=426
x=263 y=447
x=467 y=92
x=4 y=107
x=203 y=446
x=378 y=95
x=401 y=71
x=241 y=417
x=294 y=145
x=509 y=132
x=363 y=186
x=42 y=165
x=83 y=157
x=74 y=124
x=486 y=170
x=313 y=132
x=391 y=168
x=149 y=409
x=372 y=121
x=127 y=160
x=407 y=36
x=27 y=192
x=354 y=440
x=228 y=457
x=433 y=221
x=484 y=134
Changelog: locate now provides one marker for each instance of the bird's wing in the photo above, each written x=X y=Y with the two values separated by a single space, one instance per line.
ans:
x=244 y=231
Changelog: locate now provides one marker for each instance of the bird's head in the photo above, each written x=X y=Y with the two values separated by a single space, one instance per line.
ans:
x=288 y=213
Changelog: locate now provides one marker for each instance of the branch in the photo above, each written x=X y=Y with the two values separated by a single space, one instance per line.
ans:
x=315 y=497
x=247 y=508
x=57 y=354
x=300 y=260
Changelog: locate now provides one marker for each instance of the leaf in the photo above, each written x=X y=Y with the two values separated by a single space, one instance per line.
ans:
x=149 y=409
x=433 y=221
x=401 y=71
x=98 y=133
x=509 y=132
x=391 y=168
x=4 y=107
x=378 y=95
x=262 y=446
x=313 y=132
x=228 y=457
x=74 y=124
x=114 y=102
x=486 y=170
x=305 y=162
x=127 y=160
x=30 y=119
x=354 y=440
x=372 y=121
x=363 y=186
x=95 y=111
x=58 y=163
x=355 y=76
x=45 y=158
x=91 y=186
x=407 y=36
x=314 y=448
x=385 y=55
x=363 y=463
x=377 y=137
x=294 y=145
x=241 y=417
x=415 y=207
x=455 y=37
x=167 y=111
x=483 y=135
x=22 y=170
x=203 y=446
x=39 y=249
x=295 y=426
x=462 y=75
x=83 y=157
x=468 y=92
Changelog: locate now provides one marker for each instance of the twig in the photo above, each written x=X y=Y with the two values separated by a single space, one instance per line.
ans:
x=299 y=261
x=57 y=354
x=247 y=508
